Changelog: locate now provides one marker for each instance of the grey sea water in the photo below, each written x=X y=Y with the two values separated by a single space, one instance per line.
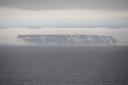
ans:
x=31 y=65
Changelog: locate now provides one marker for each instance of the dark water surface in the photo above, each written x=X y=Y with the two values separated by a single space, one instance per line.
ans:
x=63 y=66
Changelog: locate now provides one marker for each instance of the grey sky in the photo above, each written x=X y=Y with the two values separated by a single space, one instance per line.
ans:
x=100 y=14
x=64 y=13
x=66 y=4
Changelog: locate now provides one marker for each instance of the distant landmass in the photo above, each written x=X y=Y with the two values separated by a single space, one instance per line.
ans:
x=67 y=40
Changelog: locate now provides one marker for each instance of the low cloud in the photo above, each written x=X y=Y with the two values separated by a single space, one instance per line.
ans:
x=10 y=17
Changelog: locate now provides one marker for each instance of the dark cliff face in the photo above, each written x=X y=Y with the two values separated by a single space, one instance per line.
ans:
x=67 y=40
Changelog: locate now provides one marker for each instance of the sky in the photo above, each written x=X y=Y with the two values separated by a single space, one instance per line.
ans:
x=108 y=17
x=66 y=4
x=64 y=13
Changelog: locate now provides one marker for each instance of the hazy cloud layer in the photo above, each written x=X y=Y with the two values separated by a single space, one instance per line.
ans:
x=63 y=18
x=66 y=4
x=64 y=13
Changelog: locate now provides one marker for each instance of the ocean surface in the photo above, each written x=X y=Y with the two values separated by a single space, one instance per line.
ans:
x=90 y=65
